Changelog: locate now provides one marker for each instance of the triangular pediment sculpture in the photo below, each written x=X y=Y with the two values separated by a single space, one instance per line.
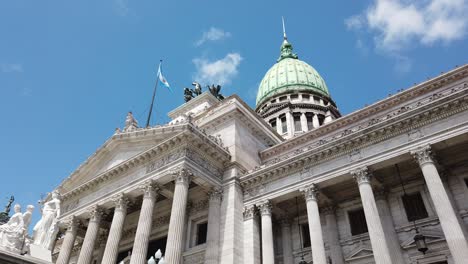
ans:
x=361 y=251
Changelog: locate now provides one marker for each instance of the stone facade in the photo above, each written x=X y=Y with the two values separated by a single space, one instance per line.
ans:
x=219 y=165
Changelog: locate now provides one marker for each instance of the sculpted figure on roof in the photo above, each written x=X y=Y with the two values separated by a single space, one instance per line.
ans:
x=46 y=229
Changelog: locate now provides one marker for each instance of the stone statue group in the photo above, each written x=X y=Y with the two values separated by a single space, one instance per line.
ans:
x=189 y=94
x=14 y=234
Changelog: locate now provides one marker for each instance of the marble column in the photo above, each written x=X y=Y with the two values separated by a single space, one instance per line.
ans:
x=288 y=257
x=315 y=227
x=290 y=124
x=268 y=253
x=379 y=244
x=102 y=238
x=315 y=121
x=456 y=241
x=140 y=245
x=213 y=233
x=304 y=122
x=86 y=253
x=68 y=242
x=252 y=254
x=175 y=236
x=115 y=233
x=333 y=238
x=279 y=126
x=389 y=228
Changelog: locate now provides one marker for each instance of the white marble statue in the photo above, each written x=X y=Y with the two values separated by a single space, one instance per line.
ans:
x=12 y=233
x=131 y=123
x=46 y=229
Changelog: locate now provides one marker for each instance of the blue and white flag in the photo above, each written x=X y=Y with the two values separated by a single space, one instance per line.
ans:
x=162 y=79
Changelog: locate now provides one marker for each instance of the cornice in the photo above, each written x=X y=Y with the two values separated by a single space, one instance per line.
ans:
x=378 y=107
x=210 y=146
x=404 y=119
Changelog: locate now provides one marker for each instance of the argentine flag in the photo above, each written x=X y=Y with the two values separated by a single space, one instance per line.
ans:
x=162 y=79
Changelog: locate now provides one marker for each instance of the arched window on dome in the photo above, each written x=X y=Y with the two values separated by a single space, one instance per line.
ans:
x=309 y=118
x=297 y=122
x=284 y=124
x=321 y=118
x=273 y=123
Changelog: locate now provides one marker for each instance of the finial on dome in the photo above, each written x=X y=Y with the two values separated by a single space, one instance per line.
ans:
x=284 y=29
x=286 y=47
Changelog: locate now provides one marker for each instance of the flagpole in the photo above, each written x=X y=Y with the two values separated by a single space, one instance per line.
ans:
x=154 y=94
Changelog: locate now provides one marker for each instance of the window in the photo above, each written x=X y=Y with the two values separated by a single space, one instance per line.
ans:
x=309 y=118
x=202 y=230
x=305 y=235
x=284 y=125
x=305 y=97
x=414 y=207
x=273 y=101
x=273 y=123
x=297 y=122
x=316 y=100
x=357 y=221
x=294 y=96
x=321 y=118
x=282 y=98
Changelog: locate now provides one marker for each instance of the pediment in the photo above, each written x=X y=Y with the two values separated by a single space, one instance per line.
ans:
x=430 y=235
x=117 y=149
x=361 y=251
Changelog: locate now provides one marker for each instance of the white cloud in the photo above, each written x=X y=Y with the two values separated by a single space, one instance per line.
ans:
x=11 y=67
x=213 y=34
x=400 y=23
x=219 y=71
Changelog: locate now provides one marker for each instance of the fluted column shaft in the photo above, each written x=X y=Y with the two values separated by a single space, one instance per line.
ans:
x=376 y=234
x=268 y=253
x=333 y=237
x=315 y=227
x=175 y=236
x=86 y=253
x=453 y=232
x=288 y=257
x=389 y=229
x=143 y=232
x=212 y=237
x=251 y=236
x=68 y=242
x=115 y=233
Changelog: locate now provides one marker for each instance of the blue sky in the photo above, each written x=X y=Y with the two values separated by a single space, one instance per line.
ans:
x=71 y=70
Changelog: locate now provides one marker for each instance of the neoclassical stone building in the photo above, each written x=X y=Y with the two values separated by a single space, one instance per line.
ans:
x=289 y=181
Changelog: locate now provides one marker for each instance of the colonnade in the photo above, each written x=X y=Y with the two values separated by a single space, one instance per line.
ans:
x=385 y=246
x=175 y=237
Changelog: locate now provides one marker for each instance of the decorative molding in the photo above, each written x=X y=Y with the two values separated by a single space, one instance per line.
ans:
x=215 y=194
x=451 y=101
x=249 y=212
x=198 y=206
x=265 y=207
x=423 y=155
x=361 y=175
x=72 y=224
x=330 y=209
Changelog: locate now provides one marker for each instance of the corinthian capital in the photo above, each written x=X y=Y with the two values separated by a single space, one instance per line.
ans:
x=95 y=213
x=265 y=208
x=72 y=224
x=423 y=155
x=121 y=201
x=215 y=194
x=249 y=212
x=361 y=175
x=310 y=192
x=150 y=189
x=183 y=176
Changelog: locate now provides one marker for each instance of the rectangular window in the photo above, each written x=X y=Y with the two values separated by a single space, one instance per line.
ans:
x=297 y=122
x=305 y=235
x=321 y=118
x=202 y=230
x=305 y=97
x=294 y=96
x=273 y=123
x=309 y=118
x=414 y=207
x=283 y=98
x=284 y=124
x=357 y=221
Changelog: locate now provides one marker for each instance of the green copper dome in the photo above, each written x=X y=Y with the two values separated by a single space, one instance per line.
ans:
x=290 y=74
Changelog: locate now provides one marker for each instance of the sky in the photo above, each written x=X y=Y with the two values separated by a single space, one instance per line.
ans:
x=71 y=70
